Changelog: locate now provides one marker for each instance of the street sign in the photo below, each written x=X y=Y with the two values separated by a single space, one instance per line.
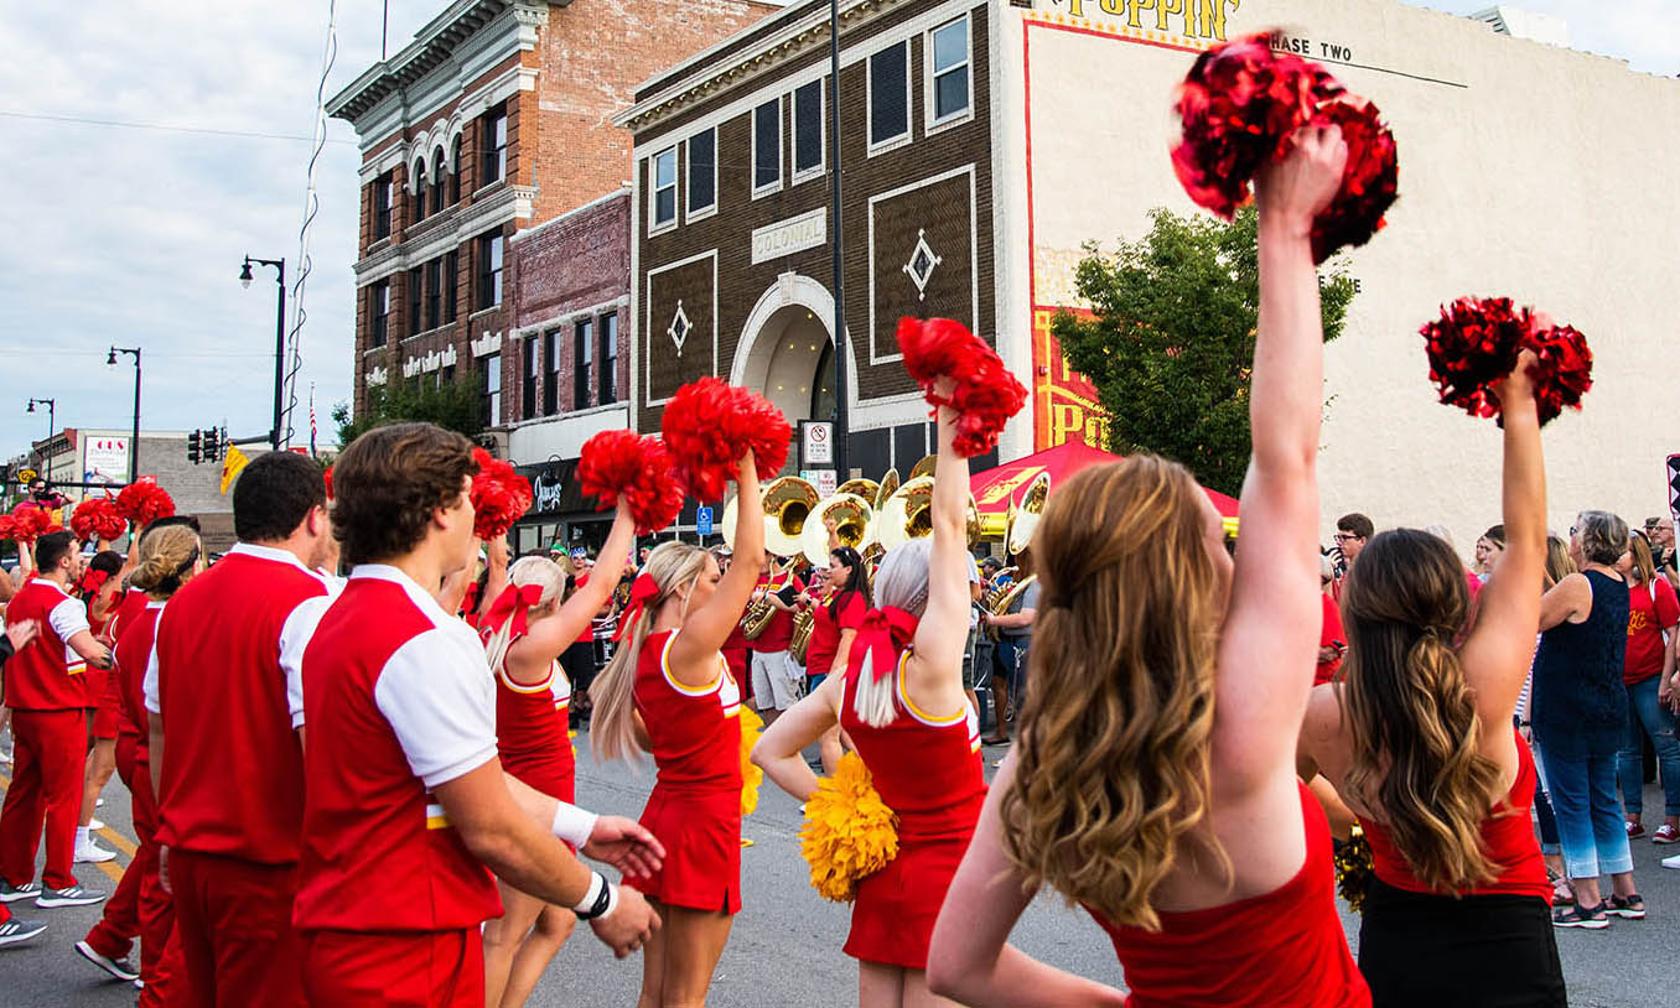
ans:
x=27 y=475
x=816 y=442
x=703 y=520
x=825 y=480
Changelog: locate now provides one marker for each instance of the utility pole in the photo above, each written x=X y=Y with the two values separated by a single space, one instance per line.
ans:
x=842 y=346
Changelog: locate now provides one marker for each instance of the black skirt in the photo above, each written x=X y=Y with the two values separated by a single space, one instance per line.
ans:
x=1492 y=951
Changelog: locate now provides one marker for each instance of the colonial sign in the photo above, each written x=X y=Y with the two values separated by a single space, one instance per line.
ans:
x=1065 y=406
x=796 y=234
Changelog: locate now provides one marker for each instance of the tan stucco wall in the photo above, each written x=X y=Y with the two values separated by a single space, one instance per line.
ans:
x=1549 y=176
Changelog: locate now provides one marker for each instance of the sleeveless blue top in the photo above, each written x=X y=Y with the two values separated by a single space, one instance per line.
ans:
x=1578 y=689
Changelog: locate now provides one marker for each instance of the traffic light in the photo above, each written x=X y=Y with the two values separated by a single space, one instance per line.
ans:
x=194 y=448
x=212 y=445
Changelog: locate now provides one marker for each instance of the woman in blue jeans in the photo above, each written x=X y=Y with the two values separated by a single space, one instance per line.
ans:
x=1579 y=713
x=1653 y=615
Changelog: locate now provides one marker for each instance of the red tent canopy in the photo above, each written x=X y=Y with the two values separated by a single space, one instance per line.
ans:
x=994 y=488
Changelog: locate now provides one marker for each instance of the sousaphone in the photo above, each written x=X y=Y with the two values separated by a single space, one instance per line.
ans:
x=788 y=502
x=1024 y=521
x=853 y=520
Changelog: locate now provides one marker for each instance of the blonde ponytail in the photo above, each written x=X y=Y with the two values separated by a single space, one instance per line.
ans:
x=525 y=571
x=168 y=559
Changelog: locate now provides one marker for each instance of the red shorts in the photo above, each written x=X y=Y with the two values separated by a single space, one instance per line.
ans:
x=702 y=837
x=351 y=969
x=895 y=909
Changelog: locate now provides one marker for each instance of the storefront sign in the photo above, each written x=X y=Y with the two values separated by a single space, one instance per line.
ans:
x=795 y=234
x=545 y=492
x=1194 y=19
x=105 y=460
x=1065 y=406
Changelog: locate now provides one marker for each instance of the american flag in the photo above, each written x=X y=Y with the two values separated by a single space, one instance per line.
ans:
x=312 y=420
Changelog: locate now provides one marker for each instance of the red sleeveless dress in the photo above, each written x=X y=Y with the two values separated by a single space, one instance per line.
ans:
x=927 y=770
x=531 y=732
x=1507 y=836
x=695 y=807
x=1282 y=948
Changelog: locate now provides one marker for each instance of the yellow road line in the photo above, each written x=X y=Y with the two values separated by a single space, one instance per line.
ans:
x=124 y=844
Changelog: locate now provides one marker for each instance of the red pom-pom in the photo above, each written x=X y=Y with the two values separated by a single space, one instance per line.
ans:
x=984 y=393
x=143 y=502
x=1370 y=182
x=96 y=519
x=709 y=424
x=1474 y=345
x=30 y=522
x=622 y=462
x=499 y=496
x=8 y=528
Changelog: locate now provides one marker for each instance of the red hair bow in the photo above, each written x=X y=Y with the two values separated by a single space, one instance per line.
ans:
x=94 y=580
x=643 y=590
x=514 y=603
x=884 y=635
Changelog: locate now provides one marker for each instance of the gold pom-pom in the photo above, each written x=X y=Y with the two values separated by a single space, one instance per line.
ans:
x=1354 y=869
x=849 y=833
x=751 y=775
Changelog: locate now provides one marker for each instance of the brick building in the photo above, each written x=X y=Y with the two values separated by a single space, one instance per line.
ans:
x=496 y=116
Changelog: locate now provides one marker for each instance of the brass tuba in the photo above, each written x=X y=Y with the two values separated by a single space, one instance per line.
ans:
x=1024 y=521
x=908 y=514
x=788 y=501
x=865 y=488
x=923 y=467
x=759 y=611
x=854 y=526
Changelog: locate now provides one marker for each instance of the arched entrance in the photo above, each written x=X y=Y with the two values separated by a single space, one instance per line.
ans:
x=785 y=351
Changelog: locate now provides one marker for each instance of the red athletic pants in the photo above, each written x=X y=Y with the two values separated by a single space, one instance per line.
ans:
x=233 y=923
x=48 y=766
x=426 y=969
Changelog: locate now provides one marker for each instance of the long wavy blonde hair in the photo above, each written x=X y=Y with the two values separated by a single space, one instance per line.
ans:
x=612 y=727
x=1113 y=778
x=1417 y=759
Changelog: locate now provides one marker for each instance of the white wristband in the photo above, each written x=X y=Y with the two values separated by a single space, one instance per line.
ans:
x=572 y=824
x=597 y=882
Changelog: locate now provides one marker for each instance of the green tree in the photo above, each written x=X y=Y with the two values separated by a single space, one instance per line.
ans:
x=1170 y=343
x=452 y=405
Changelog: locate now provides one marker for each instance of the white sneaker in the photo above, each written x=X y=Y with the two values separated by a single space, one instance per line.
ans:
x=5 y=755
x=96 y=824
x=92 y=853
x=99 y=803
x=1671 y=862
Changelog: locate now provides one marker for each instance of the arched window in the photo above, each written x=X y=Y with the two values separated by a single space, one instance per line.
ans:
x=455 y=172
x=437 y=181
x=420 y=189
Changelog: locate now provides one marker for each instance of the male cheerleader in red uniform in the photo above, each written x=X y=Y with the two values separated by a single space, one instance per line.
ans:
x=47 y=691
x=225 y=750
x=406 y=802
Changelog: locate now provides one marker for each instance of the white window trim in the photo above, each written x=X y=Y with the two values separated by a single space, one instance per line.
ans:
x=654 y=227
x=821 y=167
x=689 y=213
x=891 y=143
x=930 y=107
x=759 y=191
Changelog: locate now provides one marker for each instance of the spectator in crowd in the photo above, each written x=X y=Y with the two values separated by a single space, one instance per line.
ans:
x=1660 y=531
x=1015 y=627
x=1332 y=642
x=1353 y=531
x=1488 y=549
x=1648 y=671
x=1559 y=565
x=1579 y=713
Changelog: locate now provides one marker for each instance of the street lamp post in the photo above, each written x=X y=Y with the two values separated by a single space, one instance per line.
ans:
x=52 y=426
x=842 y=349
x=245 y=279
x=134 y=439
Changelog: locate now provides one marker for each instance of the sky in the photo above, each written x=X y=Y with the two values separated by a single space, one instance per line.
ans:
x=118 y=234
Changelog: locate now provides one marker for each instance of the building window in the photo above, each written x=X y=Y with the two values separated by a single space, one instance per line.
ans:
x=434 y=294
x=489 y=270
x=379 y=312
x=949 y=72
x=493 y=146
x=455 y=173
x=384 y=195
x=438 y=190
x=446 y=376
x=609 y=358
x=889 y=95
x=582 y=354
x=662 y=202
x=551 y=372
x=413 y=301
x=490 y=391
x=528 y=380
x=420 y=189
x=451 y=268
x=702 y=173
x=767 y=147
x=808 y=130
x=551 y=388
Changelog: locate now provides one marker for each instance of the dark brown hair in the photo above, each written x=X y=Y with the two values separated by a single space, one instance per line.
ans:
x=274 y=494
x=389 y=481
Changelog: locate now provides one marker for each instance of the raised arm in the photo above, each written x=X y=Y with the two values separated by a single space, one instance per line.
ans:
x=551 y=636
x=944 y=626
x=779 y=749
x=1497 y=655
x=1270 y=638
x=970 y=959
x=706 y=629
x=496 y=562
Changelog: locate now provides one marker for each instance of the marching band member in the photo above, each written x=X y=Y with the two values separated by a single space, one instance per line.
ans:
x=836 y=615
x=406 y=802
x=777 y=681
x=225 y=748
x=1153 y=779
x=526 y=629
x=900 y=698
x=668 y=692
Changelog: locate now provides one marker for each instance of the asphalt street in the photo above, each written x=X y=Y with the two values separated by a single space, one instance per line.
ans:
x=785 y=948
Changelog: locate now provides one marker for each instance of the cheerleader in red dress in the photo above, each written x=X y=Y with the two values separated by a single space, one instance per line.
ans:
x=101 y=589
x=900 y=699
x=525 y=630
x=669 y=692
x=1153 y=776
